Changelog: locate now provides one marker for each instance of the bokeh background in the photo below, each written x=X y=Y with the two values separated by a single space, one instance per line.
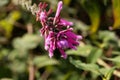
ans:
x=22 y=53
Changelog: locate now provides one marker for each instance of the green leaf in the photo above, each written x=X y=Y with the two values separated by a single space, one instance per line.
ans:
x=115 y=59
x=42 y=61
x=3 y=53
x=94 y=55
x=116 y=52
x=82 y=50
x=7 y=24
x=15 y=15
x=87 y=67
x=107 y=35
x=108 y=75
x=18 y=54
x=116 y=13
x=17 y=66
x=5 y=71
x=27 y=42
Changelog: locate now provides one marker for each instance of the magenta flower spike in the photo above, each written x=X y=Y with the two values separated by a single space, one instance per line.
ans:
x=56 y=37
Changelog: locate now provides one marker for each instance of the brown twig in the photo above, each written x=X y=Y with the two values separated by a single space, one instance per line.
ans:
x=31 y=72
x=45 y=75
x=3 y=40
x=29 y=28
x=31 y=66
x=109 y=51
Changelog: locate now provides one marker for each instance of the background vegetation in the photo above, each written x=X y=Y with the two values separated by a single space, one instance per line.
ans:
x=22 y=54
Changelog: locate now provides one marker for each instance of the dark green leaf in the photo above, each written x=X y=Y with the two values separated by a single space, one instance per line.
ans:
x=94 y=55
x=108 y=75
x=42 y=61
x=115 y=59
x=84 y=66
x=82 y=50
x=26 y=42
x=107 y=35
x=116 y=13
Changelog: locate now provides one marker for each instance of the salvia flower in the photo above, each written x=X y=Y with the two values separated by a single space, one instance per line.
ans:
x=56 y=31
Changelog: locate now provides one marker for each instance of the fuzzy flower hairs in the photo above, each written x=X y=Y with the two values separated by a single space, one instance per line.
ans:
x=56 y=31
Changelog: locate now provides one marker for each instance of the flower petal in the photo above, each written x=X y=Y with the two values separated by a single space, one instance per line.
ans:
x=66 y=23
x=63 y=54
x=59 y=8
x=50 y=53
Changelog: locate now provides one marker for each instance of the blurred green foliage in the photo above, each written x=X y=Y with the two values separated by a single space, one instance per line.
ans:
x=116 y=11
x=7 y=23
x=22 y=54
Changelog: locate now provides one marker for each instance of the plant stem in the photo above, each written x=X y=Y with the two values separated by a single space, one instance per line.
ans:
x=31 y=72
x=102 y=63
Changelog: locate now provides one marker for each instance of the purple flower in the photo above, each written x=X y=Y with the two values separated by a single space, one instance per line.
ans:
x=56 y=37
x=62 y=40
x=66 y=39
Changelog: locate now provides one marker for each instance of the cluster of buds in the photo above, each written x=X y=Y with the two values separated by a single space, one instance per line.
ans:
x=56 y=31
